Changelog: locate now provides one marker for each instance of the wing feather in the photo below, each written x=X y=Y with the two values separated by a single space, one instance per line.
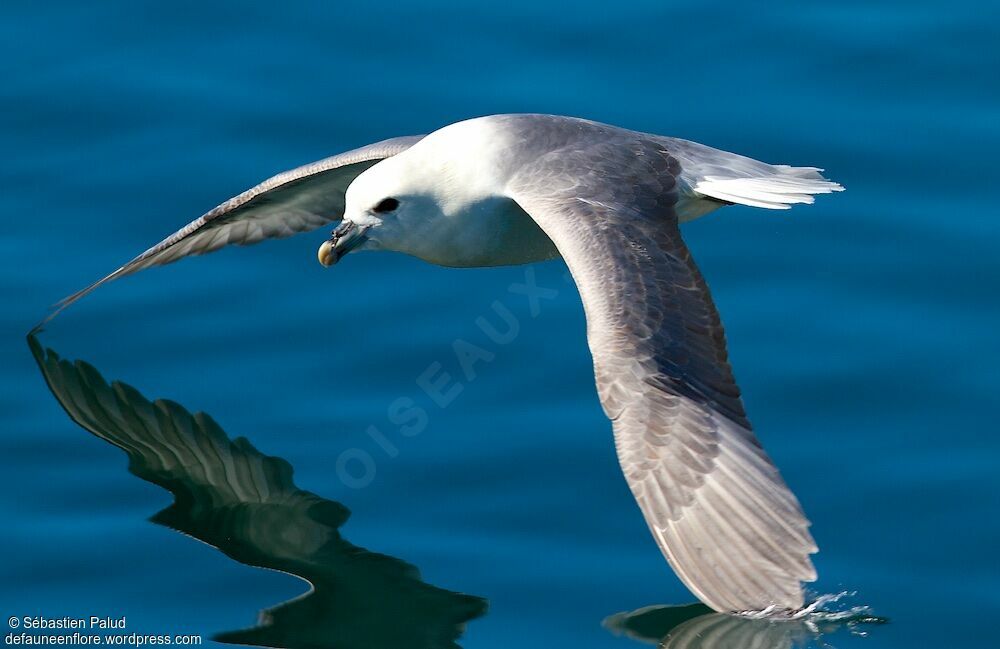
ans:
x=716 y=505
x=298 y=200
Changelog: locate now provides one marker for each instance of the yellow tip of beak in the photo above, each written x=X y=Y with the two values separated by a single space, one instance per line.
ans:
x=326 y=255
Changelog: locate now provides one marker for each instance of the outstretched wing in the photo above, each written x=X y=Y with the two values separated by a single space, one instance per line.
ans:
x=294 y=201
x=719 y=510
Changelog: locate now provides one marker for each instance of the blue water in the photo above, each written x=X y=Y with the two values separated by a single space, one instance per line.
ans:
x=863 y=329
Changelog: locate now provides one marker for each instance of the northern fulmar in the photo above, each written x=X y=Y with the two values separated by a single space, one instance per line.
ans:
x=515 y=189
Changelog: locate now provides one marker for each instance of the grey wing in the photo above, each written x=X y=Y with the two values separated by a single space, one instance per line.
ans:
x=298 y=200
x=720 y=512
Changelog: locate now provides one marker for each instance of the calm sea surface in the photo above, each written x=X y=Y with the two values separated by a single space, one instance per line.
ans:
x=863 y=329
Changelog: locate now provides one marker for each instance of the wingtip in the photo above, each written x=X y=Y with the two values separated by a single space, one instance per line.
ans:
x=55 y=310
x=64 y=303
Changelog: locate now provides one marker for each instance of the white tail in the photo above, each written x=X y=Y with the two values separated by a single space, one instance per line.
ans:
x=711 y=178
x=777 y=191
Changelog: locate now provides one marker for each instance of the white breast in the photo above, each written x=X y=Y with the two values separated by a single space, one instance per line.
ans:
x=490 y=232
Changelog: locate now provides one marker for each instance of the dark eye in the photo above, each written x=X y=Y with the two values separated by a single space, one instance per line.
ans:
x=386 y=205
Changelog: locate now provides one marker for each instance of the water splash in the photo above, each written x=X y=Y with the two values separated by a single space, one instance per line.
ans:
x=825 y=614
x=695 y=626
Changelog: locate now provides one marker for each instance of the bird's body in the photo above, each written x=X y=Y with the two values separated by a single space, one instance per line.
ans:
x=512 y=189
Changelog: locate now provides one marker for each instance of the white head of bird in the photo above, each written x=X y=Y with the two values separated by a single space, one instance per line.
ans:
x=442 y=201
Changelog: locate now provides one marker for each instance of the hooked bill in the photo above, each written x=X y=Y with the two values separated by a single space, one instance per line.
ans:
x=326 y=254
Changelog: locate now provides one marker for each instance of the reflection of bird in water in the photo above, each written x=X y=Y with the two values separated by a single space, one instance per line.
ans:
x=245 y=504
x=514 y=189
x=695 y=626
